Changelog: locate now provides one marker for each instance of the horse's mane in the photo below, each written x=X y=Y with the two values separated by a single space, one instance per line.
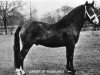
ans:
x=70 y=16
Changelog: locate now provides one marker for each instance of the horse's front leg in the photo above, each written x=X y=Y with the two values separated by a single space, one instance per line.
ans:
x=69 y=56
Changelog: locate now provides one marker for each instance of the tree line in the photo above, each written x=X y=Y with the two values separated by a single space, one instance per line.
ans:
x=11 y=14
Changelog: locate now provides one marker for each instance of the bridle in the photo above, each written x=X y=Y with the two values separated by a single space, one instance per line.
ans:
x=86 y=13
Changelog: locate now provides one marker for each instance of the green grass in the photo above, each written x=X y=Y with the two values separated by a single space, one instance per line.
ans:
x=86 y=56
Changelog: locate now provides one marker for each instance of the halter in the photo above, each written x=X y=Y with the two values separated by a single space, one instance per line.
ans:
x=90 y=17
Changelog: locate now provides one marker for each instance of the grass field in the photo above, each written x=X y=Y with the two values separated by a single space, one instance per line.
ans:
x=39 y=58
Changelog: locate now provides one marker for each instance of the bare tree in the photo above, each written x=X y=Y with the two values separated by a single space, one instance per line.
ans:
x=66 y=9
x=31 y=12
x=7 y=9
x=13 y=19
x=58 y=15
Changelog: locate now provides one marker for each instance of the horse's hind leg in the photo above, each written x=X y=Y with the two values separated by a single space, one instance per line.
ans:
x=23 y=53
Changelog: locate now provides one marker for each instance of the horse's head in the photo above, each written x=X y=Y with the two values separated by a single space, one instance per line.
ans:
x=90 y=14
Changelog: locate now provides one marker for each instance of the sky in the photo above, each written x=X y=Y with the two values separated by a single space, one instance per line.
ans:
x=51 y=5
x=43 y=6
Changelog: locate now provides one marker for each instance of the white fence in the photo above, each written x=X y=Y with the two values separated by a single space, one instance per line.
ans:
x=89 y=29
x=10 y=29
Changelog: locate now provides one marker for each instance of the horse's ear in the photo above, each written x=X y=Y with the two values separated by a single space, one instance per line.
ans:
x=86 y=3
x=93 y=3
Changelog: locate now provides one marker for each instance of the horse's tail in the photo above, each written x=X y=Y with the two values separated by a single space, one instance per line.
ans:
x=17 y=45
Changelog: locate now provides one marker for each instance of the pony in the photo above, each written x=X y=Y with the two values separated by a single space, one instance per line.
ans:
x=65 y=32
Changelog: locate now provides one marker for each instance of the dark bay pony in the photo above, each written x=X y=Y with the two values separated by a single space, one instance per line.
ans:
x=63 y=33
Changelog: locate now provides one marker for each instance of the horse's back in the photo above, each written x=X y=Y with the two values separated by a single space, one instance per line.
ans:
x=41 y=34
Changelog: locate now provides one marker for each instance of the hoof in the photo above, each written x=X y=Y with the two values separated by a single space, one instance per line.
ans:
x=20 y=72
x=72 y=72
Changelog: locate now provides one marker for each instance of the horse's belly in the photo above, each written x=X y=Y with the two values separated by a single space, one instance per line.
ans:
x=53 y=44
x=50 y=42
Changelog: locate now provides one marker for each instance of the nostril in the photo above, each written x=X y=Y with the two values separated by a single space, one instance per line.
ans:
x=97 y=22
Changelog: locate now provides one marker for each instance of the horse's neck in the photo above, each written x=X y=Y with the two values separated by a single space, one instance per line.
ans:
x=79 y=20
x=75 y=18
